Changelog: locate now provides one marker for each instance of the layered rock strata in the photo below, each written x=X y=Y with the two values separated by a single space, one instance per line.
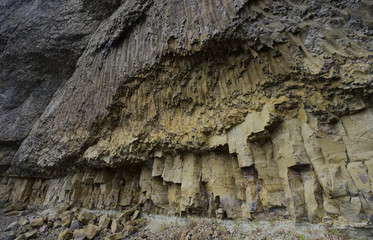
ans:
x=219 y=108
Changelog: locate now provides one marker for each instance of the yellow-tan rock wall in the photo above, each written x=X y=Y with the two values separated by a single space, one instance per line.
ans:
x=303 y=170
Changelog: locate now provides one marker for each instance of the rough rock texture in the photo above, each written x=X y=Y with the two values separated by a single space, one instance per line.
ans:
x=40 y=42
x=251 y=109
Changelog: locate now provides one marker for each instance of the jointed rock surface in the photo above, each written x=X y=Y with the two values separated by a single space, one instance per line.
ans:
x=230 y=109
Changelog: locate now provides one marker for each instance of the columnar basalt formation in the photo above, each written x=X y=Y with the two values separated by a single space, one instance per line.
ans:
x=237 y=109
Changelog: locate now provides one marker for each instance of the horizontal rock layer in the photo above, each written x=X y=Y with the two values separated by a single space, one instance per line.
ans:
x=218 y=108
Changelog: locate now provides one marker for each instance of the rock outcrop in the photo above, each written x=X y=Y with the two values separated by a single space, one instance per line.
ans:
x=251 y=109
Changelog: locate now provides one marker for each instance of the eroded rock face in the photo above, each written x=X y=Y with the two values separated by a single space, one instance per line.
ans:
x=40 y=43
x=222 y=108
x=303 y=169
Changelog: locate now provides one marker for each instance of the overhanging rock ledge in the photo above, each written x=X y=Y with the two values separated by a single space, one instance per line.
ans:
x=237 y=109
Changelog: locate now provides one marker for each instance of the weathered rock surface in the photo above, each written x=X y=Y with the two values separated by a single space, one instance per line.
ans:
x=250 y=109
x=40 y=43
x=65 y=235
x=37 y=222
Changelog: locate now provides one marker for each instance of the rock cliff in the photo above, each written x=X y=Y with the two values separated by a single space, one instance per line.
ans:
x=231 y=109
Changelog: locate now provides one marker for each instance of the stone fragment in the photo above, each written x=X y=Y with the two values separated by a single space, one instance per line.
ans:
x=12 y=213
x=11 y=226
x=126 y=215
x=219 y=213
x=37 y=222
x=52 y=216
x=64 y=207
x=50 y=224
x=11 y=208
x=80 y=236
x=135 y=215
x=43 y=229
x=74 y=209
x=115 y=226
x=115 y=236
x=31 y=234
x=66 y=214
x=75 y=224
x=104 y=221
x=86 y=216
x=57 y=223
x=92 y=230
x=65 y=234
x=129 y=230
x=79 y=231
x=66 y=221
x=22 y=213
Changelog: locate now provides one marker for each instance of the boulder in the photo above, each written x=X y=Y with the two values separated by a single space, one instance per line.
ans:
x=75 y=224
x=43 y=229
x=65 y=234
x=23 y=221
x=92 y=231
x=104 y=221
x=37 y=222
x=115 y=226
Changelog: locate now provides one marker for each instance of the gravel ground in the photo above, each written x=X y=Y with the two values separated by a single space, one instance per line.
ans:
x=166 y=227
x=5 y=221
x=203 y=228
